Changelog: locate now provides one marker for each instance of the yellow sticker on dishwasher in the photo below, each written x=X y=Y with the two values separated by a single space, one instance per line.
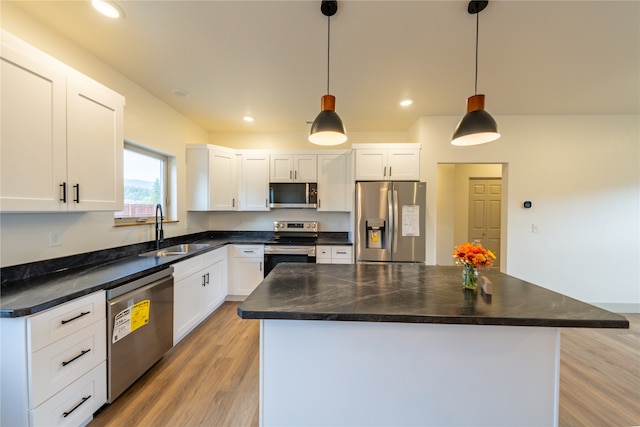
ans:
x=130 y=319
x=140 y=314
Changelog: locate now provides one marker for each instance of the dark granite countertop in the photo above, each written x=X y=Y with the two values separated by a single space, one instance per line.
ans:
x=43 y=285
x=412 y=293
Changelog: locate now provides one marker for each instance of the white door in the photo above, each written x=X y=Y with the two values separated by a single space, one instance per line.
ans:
x=33 y=157
x=484 y=214
x=254 y=182
x=371 y=165
x=223 y=185
x=94 y=146
x=305 y=168
x=404 y=164
x=281 y=169
x=332 y=183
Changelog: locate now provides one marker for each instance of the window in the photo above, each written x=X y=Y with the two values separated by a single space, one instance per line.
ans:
x=145 y=185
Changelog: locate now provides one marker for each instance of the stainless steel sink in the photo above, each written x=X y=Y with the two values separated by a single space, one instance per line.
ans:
x=178 y=250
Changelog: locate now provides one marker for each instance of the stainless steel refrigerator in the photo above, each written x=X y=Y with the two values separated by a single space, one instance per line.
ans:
x=390 y=221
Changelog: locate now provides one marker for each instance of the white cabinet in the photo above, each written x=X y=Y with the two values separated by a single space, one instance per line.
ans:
x=254 y=181
x=211 y=178
x=334 y=254
x=61 y=136
x=334 y=188
x=248 y=268
x=200 y=286
x=293 y=167
x=400 y=163
x=53 y=364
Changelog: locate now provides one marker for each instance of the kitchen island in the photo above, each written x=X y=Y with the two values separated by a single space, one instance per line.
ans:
x=405 y=345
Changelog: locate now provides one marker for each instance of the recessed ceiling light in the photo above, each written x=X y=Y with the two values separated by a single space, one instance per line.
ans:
x=248 y=119
x=406 y=102
x=108 y=8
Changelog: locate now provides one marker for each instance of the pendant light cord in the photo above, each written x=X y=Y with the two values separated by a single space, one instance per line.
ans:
x=477 y=32
x=328 y=49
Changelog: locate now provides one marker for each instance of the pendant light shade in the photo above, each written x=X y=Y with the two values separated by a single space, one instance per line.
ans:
x=477 y=126
x=327 y=128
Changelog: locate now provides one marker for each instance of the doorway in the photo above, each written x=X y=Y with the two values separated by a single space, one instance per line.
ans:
x=485 y=201
x=453 y=208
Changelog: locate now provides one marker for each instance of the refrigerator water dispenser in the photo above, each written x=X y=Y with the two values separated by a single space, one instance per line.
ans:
x=375 y=233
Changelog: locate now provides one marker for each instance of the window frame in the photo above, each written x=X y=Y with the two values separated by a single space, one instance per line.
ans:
x=165 y=184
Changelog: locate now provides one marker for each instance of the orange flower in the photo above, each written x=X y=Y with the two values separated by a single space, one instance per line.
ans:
x=474 y=255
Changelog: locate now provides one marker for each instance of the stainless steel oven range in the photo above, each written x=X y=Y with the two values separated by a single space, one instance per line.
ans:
x=294 y=241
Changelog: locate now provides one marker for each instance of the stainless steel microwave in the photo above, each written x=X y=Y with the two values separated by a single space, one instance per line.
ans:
x=293 y=195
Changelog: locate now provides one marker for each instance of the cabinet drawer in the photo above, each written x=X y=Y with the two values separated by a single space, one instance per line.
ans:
x=64 y=320
x=61 y=363
x=78 y=401
x=341 y=253
x=248 y=251
x=323 y=252
x=186 y=268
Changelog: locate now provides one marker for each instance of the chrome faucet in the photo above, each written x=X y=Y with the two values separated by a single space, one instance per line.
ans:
x=159 y=230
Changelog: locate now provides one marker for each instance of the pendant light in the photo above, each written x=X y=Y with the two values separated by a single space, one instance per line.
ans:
x=327 y=128
x=477 y=126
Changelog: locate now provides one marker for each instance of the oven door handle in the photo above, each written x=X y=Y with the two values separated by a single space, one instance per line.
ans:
x=290 y=250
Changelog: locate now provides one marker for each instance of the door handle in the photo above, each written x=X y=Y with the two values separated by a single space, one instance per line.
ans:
x=63 y=187
x=82 y=353
x=84 y=399
x=82 y=313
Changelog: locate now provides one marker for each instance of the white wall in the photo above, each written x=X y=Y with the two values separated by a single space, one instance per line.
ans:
x=148 y=121
x=582 y=175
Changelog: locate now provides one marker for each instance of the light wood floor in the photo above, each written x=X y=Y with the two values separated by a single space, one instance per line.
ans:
x=211 y=378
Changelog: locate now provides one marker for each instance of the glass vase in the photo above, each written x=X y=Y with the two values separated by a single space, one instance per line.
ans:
x=469 y=277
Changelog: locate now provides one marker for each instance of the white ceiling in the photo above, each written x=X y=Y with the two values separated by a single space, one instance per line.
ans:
x=268 y=58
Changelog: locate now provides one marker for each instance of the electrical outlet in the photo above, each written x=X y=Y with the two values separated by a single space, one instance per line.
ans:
x=55 y=238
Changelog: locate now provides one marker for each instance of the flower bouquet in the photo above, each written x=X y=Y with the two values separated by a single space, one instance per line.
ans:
x=472 y=257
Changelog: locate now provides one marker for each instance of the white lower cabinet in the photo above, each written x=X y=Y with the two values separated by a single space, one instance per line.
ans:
x=248 y=268
x=334 y=254
x=200 y=286
x=53 y=364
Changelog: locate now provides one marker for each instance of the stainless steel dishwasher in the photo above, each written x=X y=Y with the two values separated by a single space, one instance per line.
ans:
x=139 y=328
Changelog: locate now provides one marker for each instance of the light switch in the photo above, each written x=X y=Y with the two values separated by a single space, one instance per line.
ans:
x=535 y=228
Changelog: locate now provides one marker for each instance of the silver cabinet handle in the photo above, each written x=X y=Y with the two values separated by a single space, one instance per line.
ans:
x=248 y=252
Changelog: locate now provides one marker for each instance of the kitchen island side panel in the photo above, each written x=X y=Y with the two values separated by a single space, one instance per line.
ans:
x=316 y=373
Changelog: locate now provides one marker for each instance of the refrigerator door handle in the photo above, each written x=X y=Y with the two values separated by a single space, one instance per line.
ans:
x=396 y=230
x=390 y=229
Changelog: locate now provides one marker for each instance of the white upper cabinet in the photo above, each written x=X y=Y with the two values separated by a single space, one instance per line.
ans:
x=254 y=181
x=333 y=185
x=293 y=167
x=61 y=136
x=94 y=146
x=400 y=162
x=211 y=178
